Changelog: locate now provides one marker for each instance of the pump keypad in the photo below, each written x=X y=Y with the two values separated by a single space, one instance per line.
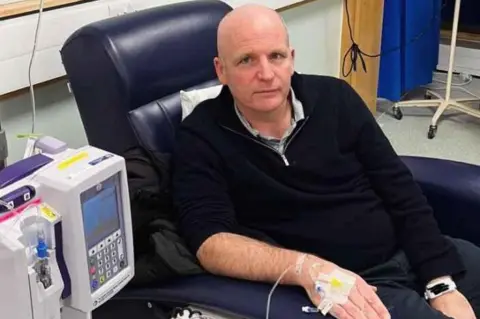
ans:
x=106 y=259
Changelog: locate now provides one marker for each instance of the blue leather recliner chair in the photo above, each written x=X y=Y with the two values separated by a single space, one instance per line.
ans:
x=126 y=74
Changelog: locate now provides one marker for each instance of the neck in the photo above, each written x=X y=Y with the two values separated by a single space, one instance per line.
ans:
x=273 y=123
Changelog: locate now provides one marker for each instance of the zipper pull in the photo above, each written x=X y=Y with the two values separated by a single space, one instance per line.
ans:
x=285 y=160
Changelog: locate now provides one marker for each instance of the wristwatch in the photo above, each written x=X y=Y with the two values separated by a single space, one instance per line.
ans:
x=439 y=287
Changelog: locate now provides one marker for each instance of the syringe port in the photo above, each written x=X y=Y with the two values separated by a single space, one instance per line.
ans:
x=42 y=249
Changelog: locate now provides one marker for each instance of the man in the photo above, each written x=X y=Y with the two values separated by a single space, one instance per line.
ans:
x=281 y=165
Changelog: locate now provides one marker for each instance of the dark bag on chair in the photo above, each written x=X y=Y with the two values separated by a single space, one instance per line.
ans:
x=130 y=308
x=160 y=253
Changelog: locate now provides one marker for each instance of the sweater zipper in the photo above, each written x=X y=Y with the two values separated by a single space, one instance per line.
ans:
x=295 y=134
x=282 y=155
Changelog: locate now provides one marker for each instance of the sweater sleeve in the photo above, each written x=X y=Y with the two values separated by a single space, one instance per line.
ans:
x=199 y=191
x=430 y=254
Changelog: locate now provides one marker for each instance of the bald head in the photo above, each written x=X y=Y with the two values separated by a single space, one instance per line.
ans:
x=250 y=19
x=255 y=59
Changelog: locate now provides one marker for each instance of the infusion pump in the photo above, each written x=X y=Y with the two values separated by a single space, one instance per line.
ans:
x=66 y=244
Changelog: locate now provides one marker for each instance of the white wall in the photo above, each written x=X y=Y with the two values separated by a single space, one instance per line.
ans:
x=315 y=30
x=56 y=26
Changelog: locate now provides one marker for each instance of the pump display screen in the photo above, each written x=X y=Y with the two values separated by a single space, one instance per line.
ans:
x=101 y=210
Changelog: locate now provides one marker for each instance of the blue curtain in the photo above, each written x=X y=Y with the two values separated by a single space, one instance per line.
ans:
x=410 y=45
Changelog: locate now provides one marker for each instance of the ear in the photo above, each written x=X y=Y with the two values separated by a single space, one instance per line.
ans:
x=292 y=53
x=220 y=70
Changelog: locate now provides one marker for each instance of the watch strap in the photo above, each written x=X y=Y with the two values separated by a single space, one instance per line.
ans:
x=439 y=288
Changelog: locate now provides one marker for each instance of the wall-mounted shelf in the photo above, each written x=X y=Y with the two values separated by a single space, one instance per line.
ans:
x=20 y=8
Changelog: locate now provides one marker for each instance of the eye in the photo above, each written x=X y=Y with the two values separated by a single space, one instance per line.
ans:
x=245 y=60
x=277 y=56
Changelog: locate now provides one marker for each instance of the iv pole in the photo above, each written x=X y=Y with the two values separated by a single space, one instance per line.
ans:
x=442 y=104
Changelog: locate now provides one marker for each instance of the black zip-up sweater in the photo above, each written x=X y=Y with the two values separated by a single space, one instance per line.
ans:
x=339 y=191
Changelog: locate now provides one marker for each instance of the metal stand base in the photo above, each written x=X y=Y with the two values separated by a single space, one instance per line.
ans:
x=442 y=104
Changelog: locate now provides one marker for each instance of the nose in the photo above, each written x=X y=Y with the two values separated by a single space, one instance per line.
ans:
x=265 y=71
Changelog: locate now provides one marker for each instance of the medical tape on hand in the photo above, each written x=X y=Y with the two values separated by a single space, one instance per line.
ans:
x=300 y=262
x=334 y=288
x=325 y=306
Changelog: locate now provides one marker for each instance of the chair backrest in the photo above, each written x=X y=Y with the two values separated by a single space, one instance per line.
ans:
x=126 y=72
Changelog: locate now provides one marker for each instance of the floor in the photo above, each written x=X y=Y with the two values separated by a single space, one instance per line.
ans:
x=458 y=134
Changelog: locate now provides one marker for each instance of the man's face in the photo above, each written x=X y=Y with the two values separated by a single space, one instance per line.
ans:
x=257 y=64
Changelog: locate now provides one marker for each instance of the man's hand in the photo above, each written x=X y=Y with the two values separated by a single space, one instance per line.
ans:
x=363 y=302
x=454 y=305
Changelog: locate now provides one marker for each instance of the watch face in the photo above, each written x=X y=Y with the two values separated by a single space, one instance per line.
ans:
x=439 y=288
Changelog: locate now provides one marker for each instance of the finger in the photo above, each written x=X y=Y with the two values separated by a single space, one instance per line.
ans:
x=357 y=299
x=370 y=313
x=373 y=288
x=368 y=310
x=374 y=302
x=353 y=310
x=378 y=307
x=338 y=312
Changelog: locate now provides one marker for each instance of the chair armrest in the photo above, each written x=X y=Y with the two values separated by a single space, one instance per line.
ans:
x=225 y=296
x=453 y=190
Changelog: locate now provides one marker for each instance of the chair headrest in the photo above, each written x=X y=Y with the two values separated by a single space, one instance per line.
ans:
x=155 y=123
x=120 y=64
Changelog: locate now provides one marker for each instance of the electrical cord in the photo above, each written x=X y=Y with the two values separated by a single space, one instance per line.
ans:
x=459 y=86
x=467 y=79
x=356 y=53
x=32 y=93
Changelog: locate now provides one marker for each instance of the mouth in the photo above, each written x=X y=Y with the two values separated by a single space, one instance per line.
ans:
x=267 y=91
